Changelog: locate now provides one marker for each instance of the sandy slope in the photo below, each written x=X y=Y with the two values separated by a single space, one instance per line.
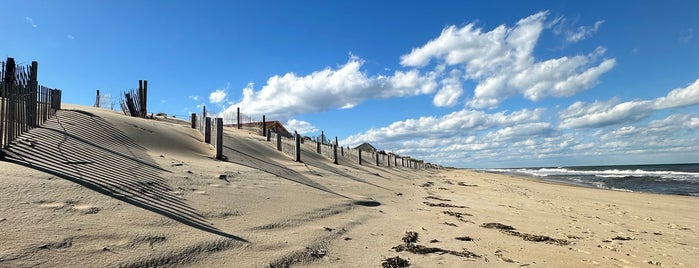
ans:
x=95 y=188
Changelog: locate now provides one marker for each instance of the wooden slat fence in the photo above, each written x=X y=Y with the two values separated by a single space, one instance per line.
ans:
x=24 y=104
x=288 y=145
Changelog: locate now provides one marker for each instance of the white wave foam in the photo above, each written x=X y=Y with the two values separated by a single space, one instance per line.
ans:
x=609 y=173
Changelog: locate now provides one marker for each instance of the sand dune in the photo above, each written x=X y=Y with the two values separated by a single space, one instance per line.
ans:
x=95 y=188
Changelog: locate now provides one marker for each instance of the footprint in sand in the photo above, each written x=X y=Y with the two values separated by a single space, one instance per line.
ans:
x=86 y=209
x=53 y=205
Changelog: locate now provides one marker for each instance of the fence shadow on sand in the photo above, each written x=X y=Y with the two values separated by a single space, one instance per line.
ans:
x=85 y=149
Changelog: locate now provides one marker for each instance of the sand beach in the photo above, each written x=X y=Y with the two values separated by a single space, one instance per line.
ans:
x=95 y=188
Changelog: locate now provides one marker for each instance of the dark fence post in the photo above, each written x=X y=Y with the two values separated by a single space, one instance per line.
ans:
x=194 y=120
x=360 y=156
x=207 y=130
x=219 y=138
x=269 y=134
x=264 y=126
x=298 y=147
x=97 y=99
x=32 y=116
x=144 y=99
x=388 y=160
x=318 y=147
x=335 y=154
x=322 y=137
x=377 y=158
x=9 y=98
x=279 y=142
x=239 y=125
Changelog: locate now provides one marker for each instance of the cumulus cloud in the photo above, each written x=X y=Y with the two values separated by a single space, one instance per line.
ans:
x=456 y=123
x=302 y=127
x=600 y=114
x=679 y=97
x=217 y=96
x=450 y=92
x=344 y=87
x=502 y=63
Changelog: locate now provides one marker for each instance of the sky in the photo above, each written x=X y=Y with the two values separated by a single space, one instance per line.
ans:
x=473 y=84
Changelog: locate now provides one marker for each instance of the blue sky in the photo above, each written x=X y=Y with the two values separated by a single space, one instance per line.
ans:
x=472 y=84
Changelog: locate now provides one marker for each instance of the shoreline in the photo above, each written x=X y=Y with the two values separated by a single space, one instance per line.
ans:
x=562 y=180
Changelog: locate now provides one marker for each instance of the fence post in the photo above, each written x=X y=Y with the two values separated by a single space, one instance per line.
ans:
x=207 y=130
x=219 y=138
x=279 y=142
x=32 y=117
x=264 y=126
x=318 y=147
x=144 y=99
x=388 y=160
x=335 y=154
x=269 y=134
x=239 y=126
x=194 y=120
x=298 y=147
x=360 y=156
x=322 y=137
x=97 y=99
x=377 y=158
x=9 y=91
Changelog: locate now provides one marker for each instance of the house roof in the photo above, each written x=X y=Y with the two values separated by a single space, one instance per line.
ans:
x=365 y=147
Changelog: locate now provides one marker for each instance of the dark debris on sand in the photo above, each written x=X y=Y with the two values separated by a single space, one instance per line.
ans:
x=444 y=205
x=495 y=225
x=410 y=239
x=464 y=238
x=459 y=216
x=395 y=262
x=506 y=229
x=438 y=198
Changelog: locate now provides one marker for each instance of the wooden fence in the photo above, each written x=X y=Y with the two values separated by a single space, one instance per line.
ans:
x=24 y=104
x=134 y=103
x=212 y=129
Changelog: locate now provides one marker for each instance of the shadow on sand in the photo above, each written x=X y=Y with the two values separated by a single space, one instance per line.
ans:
x=85 y=149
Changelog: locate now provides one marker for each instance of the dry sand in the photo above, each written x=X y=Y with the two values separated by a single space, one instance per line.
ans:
x=94 y=188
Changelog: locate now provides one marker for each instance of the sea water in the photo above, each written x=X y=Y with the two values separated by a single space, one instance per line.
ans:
x=679 y=179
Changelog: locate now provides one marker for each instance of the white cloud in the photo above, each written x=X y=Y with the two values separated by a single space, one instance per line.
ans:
x=502 y=63
x=599 y=114
x=302 y=127
x=679 y=97
x=450 y=92
x=345 y=87
x=31 y=22
x=582 y=32
x=217 y=96
x=457 y=123
x=193 y=97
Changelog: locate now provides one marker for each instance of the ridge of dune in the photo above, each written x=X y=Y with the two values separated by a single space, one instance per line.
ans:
x=93 y=187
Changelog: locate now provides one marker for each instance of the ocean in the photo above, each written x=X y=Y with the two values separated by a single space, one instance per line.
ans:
x=677 y=179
